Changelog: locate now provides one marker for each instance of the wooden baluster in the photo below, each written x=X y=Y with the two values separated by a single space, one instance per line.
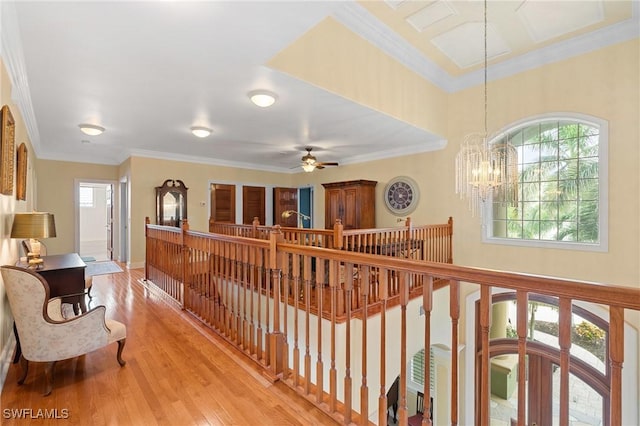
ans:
x=296 y=303
x=365 y=277
x=616 y=358
x=522 y=298
x=348 y=391
x=260 y=278
x=334 y=274
x=285 y=265
x=252 y=291
x=307 y=331
x=454 y=312
x=427 y=306
x=565 y=347
x=244 y=341
x=402 y=394
x=382 y=399
x=320 y=278
x=485 y=325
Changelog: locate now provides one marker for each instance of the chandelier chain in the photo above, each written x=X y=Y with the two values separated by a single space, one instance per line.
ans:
x=485 y=70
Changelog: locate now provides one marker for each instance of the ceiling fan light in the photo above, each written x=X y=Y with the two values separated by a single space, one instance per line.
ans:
x=308 y=167
x=262 y=98
x=200 y=131
x=91 y=129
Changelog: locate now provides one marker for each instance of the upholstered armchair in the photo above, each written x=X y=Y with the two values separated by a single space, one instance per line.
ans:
x=44 y=334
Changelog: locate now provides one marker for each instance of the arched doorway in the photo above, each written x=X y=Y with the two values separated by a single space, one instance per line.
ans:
x=589 y=369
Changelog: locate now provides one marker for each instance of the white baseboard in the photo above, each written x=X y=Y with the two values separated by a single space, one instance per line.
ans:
x=6 y=358
x=135 y=265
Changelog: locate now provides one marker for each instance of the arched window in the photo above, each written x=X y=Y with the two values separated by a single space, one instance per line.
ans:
x=562 y=199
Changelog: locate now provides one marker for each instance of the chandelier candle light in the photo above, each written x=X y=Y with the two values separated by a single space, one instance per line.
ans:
x=484 y=169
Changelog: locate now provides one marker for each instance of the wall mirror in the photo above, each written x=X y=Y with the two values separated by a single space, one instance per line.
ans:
x=171 y=203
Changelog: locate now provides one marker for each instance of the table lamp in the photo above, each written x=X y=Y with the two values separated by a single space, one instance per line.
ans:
x=33 y=226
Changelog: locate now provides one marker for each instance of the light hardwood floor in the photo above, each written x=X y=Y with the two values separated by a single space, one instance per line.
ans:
x=177 y=373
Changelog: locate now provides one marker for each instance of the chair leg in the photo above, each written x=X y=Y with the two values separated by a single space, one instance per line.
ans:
x=48 y=375
x=120 y=348
x=24 y=363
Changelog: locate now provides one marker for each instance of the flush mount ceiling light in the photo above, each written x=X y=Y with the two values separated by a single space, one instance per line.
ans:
x=91 y=129
x=262 y=98
x=201 y=132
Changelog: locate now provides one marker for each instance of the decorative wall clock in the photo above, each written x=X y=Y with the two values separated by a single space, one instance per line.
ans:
x=401 y=195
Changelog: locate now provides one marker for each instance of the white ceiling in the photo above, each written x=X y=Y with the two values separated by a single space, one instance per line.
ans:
x=148 y=71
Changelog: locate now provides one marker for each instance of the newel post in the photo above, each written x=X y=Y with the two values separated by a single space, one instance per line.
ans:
x=276 y=338
x=409 y=231
x=338 y=229
x=450 y=223
x=184 y=227
x=147 y=221
x=255 y=224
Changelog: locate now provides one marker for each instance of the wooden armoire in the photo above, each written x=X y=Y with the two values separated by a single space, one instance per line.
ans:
x=353 y=202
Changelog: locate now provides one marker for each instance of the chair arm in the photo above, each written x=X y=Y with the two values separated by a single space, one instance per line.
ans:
x=54 y=309
x=75 y=336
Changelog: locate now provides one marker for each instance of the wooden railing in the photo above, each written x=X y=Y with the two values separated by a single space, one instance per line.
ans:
x=262 y=296
x=430 y=242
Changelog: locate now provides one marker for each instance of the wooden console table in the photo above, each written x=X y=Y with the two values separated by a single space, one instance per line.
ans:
x=65 y=275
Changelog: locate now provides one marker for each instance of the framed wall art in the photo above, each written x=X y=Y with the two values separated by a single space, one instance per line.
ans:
x=7 y=142
x=21 y=172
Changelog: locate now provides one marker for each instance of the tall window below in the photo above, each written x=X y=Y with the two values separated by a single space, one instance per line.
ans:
x=86 y=196
x=417 y=370
x=561 y=191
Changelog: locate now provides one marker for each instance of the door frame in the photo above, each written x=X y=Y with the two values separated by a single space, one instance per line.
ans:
x=115 y=195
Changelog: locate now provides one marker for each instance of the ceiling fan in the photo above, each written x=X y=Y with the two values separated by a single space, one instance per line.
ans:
x=309 y=162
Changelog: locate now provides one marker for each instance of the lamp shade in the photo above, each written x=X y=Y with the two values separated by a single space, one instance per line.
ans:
x=33 y=225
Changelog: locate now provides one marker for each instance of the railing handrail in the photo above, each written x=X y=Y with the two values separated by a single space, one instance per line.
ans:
x=263 y=295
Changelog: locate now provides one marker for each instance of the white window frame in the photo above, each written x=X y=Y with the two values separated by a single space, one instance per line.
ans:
x=83 y=202
x=603 y=179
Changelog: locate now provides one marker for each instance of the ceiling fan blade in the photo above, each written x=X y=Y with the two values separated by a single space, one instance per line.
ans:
x=328 y=164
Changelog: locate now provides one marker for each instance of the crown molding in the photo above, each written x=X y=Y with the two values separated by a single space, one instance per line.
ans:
x=362 y=22
x=13 y=58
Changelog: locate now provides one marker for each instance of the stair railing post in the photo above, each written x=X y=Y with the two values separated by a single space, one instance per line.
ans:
x=147 y=251
x=338 y=230
x=276 y=337
x=185 y=260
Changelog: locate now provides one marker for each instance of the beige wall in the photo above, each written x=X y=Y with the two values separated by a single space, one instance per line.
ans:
x=334 y=58
x=56 y=194
x=9 y=248
x=147 y=173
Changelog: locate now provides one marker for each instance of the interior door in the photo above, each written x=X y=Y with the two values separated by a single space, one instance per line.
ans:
x=223 y=203
x=285 y=199
x=253 y=202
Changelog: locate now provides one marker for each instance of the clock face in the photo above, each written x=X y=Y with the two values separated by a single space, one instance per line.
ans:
x=401 y=195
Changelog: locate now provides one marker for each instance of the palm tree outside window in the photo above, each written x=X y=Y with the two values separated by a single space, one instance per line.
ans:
x=561 y=191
